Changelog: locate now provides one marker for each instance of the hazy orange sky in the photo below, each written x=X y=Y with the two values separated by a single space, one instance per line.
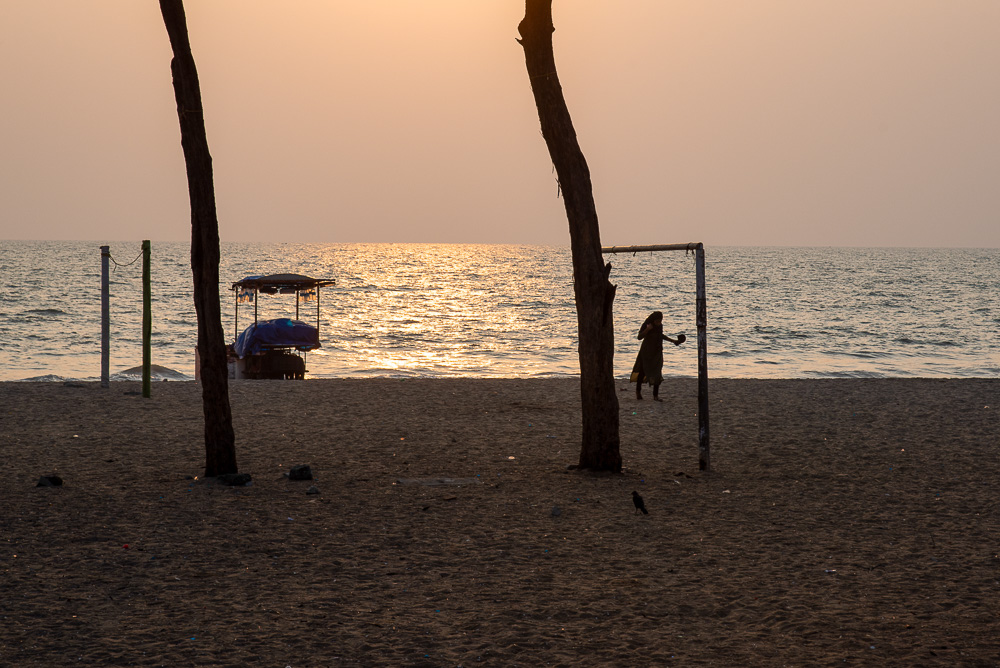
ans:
x=771 y=122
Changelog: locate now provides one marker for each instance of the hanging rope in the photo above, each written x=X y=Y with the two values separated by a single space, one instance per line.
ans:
x=118 y=264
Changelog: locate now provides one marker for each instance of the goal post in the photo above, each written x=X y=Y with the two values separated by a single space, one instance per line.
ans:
x=701 y=318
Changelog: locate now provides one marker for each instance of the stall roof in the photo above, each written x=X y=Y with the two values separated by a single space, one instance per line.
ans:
x=281 y=281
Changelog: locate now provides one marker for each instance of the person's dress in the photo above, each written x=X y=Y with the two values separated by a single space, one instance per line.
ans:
x=649 y=361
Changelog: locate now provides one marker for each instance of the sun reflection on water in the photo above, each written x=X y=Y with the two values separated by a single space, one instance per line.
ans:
x=449 y=309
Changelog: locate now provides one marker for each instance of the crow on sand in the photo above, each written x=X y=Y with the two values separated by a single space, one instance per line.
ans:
x=639 y=503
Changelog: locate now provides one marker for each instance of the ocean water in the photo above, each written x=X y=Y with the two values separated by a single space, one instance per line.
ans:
x=507 y=311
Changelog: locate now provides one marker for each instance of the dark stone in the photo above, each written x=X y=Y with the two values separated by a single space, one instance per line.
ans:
x=235 y=479
x=300 y=472
x=313 y=489
x=49 y=481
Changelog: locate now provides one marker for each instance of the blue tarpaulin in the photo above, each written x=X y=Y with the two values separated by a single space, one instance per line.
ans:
x=276 y=334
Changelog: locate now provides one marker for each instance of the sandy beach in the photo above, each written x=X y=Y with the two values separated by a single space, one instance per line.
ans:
x=845 y=522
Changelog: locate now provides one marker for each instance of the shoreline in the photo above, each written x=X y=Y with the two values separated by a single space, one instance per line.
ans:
x=174 y=376
x=845 y=520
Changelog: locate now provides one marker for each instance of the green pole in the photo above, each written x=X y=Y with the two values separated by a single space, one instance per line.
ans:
x=147 y=320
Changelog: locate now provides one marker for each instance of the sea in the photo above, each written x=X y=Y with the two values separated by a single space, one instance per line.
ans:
x=507 y=311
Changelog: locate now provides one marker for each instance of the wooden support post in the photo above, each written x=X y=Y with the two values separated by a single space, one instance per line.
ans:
x=105 y=318
x=147 y=320
x=701 y=318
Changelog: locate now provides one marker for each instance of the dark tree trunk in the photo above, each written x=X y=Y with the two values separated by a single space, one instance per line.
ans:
x=594 y=293
x=220 y=441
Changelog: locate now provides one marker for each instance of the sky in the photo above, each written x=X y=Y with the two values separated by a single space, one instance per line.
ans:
x=764 y=123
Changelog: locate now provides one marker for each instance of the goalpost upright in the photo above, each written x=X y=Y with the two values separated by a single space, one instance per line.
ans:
x=701 y=318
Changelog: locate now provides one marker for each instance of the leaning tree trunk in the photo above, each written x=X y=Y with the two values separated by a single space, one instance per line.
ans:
x=594 y=293
x=220 y=441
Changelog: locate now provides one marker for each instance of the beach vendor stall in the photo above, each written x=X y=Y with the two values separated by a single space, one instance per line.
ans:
x=274 y=348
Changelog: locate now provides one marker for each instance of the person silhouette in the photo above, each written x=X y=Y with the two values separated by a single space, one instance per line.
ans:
x=648 y=365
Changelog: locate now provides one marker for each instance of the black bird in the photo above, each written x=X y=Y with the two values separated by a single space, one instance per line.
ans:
x=639 y=503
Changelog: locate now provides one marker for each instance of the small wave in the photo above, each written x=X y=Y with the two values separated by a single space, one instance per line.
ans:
x=864 y=354
x=155 y=371
x=945 y=343
x=47 y=311
x=54 y=378
x=47 y=378
x=844 y=374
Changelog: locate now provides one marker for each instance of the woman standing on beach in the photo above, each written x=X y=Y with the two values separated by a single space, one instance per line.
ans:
x=649 y=363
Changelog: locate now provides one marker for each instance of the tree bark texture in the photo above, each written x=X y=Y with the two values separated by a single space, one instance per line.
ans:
x=594 y=292
x=220 y=440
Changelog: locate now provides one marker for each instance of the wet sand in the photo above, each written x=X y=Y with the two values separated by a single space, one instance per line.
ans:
x=847 y=522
